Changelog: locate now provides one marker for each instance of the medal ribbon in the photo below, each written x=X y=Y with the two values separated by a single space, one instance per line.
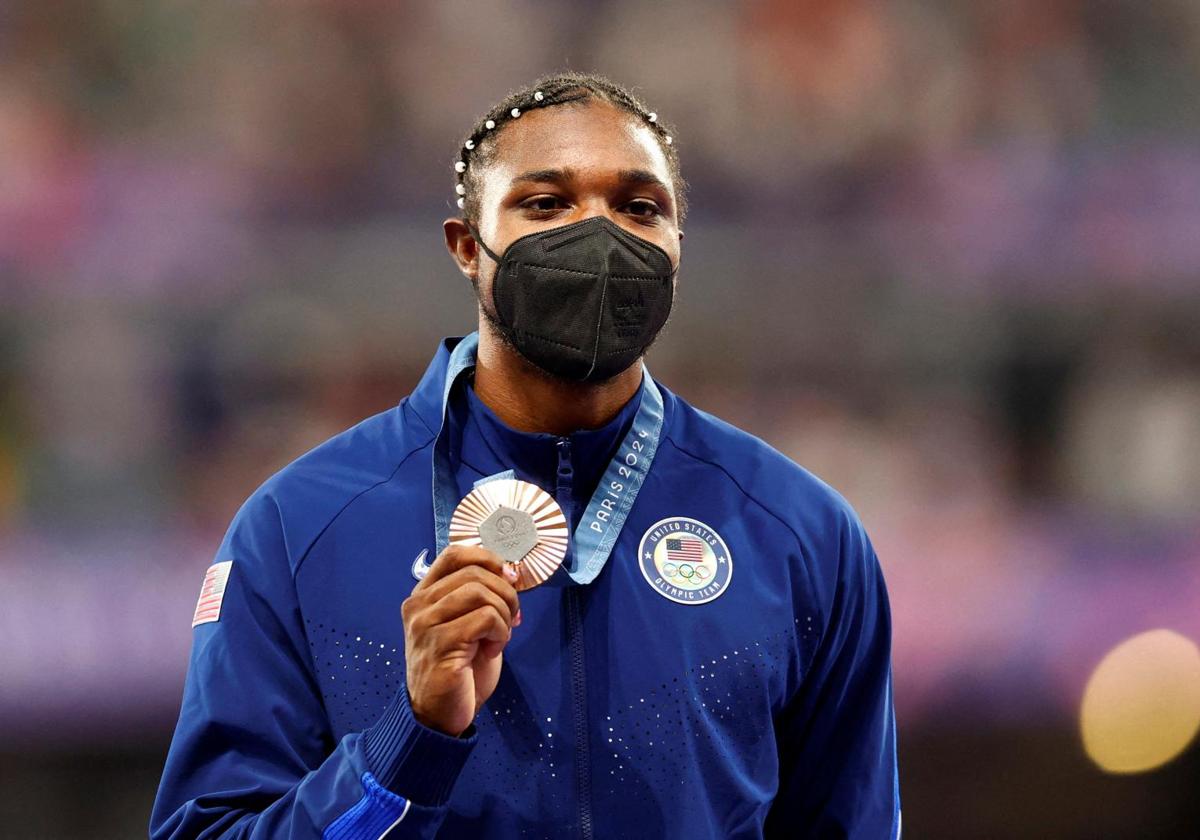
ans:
x=614 y=497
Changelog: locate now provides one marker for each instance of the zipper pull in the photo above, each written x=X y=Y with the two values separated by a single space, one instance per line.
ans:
x=566 y=470
x=564 y=495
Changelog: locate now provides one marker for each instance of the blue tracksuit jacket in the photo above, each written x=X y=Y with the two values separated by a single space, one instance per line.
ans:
x=620 y=712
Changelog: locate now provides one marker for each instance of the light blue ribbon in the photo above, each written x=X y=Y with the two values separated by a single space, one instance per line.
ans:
x=614 y=497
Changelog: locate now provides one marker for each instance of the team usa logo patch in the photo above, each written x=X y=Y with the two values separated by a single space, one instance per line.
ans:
x=212 y=593
x=685 y=560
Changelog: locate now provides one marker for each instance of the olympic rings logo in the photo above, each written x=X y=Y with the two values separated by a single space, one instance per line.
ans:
x=686 y=573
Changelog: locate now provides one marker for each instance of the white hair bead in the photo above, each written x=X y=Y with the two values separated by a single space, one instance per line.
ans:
x=537 y=96
x=459 y=166
x=489 y=125
x=460 y=189
x=516 y=112
x=470 y=144
x=653 y=117
x=668 y=139
x=461 y=204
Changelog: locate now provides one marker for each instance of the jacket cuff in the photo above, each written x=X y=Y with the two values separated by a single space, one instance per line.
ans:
x=412 y=760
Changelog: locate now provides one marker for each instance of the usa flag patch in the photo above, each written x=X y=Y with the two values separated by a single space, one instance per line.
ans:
x=208 y=608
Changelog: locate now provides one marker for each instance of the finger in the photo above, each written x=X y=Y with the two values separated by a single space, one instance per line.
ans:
x=456 y=557
x=482 y=624
x=490 y=649
x=475 y=574
x=465 y=599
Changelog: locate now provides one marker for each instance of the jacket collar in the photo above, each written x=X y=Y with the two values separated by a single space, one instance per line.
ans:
x=589 y=447
x=426 y=398
x=537 y=454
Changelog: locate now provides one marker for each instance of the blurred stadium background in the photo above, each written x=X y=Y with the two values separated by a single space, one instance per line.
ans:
x=945 y=254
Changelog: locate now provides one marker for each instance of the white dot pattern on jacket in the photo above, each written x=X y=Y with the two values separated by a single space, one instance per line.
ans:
x=638 y=748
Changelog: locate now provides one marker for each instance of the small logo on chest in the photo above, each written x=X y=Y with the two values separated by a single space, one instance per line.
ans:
x=685 y=560
x=420 y=568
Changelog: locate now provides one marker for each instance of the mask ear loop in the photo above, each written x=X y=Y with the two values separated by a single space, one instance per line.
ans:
x=496 y=258
x=475 y=235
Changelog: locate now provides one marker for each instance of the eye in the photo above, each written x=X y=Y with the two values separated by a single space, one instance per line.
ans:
x=643 y=208
x=543 y=203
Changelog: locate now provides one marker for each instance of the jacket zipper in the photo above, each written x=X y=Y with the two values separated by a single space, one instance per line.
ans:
x=583 y=771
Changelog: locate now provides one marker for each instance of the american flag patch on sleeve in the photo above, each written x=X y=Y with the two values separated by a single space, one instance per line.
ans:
x=208 y=608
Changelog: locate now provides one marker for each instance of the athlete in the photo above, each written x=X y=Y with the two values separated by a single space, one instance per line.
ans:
x=710 y=659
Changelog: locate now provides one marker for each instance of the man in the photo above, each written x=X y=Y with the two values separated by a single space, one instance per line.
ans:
x=710 y=660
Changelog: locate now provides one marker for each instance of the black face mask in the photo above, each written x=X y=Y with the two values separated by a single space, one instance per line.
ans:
x=582 y=301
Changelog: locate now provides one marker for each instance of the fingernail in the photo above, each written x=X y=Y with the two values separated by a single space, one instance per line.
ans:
x=517 y=620
x=510 y=572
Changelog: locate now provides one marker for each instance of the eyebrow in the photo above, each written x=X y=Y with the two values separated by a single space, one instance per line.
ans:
x=636 y=177
x=544 y=176
x=640 y=177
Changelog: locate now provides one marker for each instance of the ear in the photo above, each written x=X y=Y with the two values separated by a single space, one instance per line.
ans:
x=463 y=248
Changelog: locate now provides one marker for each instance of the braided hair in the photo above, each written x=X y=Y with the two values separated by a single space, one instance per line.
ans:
x=479 y=147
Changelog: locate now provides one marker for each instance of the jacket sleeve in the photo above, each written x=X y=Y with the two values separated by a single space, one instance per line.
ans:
x=837 y=740
x=253 y=754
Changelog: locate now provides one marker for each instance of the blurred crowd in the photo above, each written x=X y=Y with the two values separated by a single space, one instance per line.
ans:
x=946 y=255
x=147 y=145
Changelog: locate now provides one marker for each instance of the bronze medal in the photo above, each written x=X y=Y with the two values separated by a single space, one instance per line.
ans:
x=518 y=521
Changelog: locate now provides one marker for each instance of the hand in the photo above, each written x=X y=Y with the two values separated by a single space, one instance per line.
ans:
x=456 y=624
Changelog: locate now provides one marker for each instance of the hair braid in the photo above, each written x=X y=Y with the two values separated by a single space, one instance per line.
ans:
x=478 y=148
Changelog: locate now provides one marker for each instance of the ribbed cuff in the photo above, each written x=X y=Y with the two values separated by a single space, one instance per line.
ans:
x=373 y=816
x=412 y=760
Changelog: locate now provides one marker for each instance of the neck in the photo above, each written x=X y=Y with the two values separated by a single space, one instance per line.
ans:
x=529 y=400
